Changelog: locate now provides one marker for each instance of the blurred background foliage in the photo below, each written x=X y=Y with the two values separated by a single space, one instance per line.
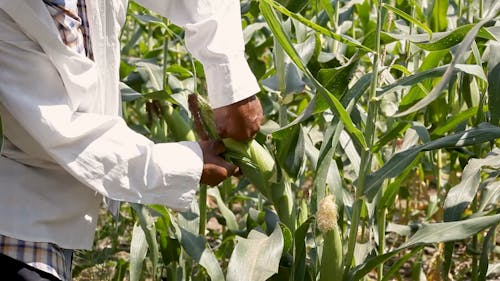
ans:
x=391 y=106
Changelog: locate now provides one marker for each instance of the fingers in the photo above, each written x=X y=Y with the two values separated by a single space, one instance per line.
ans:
x=215 y=173
x=215 y=168
x=218 y=147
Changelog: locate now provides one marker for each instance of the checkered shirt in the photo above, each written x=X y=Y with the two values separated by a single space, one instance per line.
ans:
x=46 y=257
x=70 y=17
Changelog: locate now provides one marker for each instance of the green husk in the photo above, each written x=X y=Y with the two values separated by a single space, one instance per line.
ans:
x=254 y=160
x=331 y=258
x=180 y=129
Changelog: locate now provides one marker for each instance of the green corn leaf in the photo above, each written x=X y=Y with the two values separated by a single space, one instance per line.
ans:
x=324 y=166
x=350 y=151
x=485 y=251
x=447 y=258
x=300 y=250
x=363 y=269
x=408 y=18
x=121 y=270
x=169 y=247
x=147 y=223
x=136 y=35
x=318 y=104
x=318 y=28
x=453 y=38
x=291 y=149
x=490 y=195
x=152 y=74
x=401 y=160
x=177 y=69
x=198 y=249
x=494 y=83
x=397 y=265
x=460 y=196
x=251 y=29
x=454 y=121
x=128 y=94
x=390 y=194
x=287 y=237
x=428 y=234
x=431 y=73
x=257 y=257
x=138 y=251
x=294 y=5
x=228 y=215
x=284 y=41
x=283 y=200
x=149 y=19
x=396 y=132
x=449 y=231
x=438 y=19
x=328 y=7
x=458 y=58
x=336 y=80
x=327 y=174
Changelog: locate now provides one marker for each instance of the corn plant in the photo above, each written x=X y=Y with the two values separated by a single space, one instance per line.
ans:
x=378 y=159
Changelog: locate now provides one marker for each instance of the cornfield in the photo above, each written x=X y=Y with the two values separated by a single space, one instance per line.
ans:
x=378 y=158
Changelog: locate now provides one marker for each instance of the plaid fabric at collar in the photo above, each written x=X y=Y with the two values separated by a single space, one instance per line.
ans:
x=43 y=256
x=70 y=17
x=82 y=11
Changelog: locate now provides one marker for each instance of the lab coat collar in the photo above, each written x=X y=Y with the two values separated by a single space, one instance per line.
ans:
x=78 y=73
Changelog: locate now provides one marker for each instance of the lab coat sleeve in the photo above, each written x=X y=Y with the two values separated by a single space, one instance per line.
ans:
x=99 y=150
x=213 y=34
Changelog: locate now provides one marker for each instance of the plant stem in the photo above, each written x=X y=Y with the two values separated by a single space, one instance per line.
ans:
x=469 y=3
x=474 y=266
x=366 y=156
x=381 y=220
x=481 y=7
x=439 y=172
x=165 y=59
x=203 y=209
x=280 y=66
x=336 y=26
x=174 y=273
x=460 y=8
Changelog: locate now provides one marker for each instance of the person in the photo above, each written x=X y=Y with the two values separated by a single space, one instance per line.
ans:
x=65 y=146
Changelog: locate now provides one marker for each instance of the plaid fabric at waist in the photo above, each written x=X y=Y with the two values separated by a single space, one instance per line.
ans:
x=43 y=256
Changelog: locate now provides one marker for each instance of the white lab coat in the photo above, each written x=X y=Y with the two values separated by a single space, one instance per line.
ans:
x=65 y=145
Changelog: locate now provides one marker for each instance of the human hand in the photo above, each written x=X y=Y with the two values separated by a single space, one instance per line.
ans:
x=240 y=120
x=215 y=168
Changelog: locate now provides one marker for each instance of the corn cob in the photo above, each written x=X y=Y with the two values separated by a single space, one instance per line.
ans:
x=254 y=160
x=331 y=258
x=178 y=126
